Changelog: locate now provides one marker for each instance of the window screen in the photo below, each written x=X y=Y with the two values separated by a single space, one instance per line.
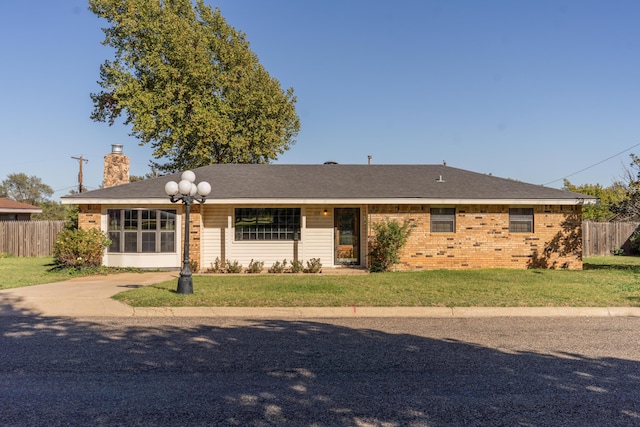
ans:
x=443 y=220
x=521 y=220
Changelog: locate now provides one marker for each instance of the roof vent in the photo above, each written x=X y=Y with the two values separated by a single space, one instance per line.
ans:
x=440 y=179
x=330 y=162
x=116 y=148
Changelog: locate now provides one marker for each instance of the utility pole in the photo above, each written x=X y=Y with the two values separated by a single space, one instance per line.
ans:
x=80 y=160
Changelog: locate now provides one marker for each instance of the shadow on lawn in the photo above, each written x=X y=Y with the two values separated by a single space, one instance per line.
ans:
x=134 y=372
x=620 y=267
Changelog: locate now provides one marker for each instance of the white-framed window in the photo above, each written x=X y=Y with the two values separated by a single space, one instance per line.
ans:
x=142 y=230
x=443 y=220
x=521 y=220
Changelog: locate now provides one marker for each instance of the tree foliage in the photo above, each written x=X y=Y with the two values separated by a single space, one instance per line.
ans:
x=609 y=198
x=25 y=189
x=629 y=207
x=188 y=83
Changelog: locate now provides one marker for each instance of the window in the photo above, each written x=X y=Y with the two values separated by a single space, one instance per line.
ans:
x=521 y=220
x=142 y=230
x=443 y=220
x=267 y=223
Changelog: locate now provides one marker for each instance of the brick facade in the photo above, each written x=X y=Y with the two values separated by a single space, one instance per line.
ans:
x=482 y=238
x=195 y=226
x=89 y=217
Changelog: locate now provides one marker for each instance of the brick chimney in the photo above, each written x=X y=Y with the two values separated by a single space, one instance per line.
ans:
x=116 y=167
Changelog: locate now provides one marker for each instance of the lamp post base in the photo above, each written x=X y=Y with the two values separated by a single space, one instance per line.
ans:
x=185 y=284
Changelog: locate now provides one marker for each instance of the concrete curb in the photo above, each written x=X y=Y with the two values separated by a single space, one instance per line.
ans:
x=363 y=312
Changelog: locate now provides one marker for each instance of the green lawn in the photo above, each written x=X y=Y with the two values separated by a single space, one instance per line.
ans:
x=16 y=272
x=606 y=281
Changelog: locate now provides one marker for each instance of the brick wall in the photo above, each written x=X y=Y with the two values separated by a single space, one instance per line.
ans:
x=195 y=229
x=89 y=217
x=482 y=238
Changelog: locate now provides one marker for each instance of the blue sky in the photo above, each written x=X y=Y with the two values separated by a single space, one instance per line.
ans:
x=529 y=90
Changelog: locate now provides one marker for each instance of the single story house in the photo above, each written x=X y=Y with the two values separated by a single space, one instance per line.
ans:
x=10 y=210
x=271 y=212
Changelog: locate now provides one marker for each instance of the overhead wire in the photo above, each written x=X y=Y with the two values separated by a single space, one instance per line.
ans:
x=593 y=165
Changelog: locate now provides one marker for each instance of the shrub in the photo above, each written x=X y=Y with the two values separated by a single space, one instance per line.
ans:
x=297 y=266
x=617 y=251
x=217 y=266
x=634 y=240
x=234 y=267
x=80 y=248
x=255 y=266
x=279 y=267
x=389 y=238
x=313 y=266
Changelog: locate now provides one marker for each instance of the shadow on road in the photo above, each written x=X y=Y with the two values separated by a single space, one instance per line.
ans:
x=57 y=371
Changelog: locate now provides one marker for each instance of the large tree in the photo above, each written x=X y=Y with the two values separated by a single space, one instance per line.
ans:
x=188 y=83
x=25 y=189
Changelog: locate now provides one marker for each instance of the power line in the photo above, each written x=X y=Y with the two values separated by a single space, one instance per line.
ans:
x=593 y=165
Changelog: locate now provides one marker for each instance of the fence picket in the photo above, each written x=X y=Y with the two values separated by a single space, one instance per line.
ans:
x=29 y=238
x=602 y=238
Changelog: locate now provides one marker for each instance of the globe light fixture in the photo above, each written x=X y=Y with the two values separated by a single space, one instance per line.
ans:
x=187 y=192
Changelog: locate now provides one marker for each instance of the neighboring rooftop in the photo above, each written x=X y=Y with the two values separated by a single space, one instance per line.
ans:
x=11 y=206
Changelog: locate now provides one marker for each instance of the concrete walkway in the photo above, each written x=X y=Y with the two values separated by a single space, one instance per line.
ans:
x=91 y=296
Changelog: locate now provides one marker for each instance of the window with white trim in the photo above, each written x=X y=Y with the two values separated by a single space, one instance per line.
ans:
x=267 y=223
x=521 y=220
x=142 y=230
x=443 y=220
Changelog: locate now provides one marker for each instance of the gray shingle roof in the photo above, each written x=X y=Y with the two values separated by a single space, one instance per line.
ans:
x=349 y=182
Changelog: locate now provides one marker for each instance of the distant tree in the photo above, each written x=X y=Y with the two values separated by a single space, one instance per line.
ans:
x=153 y=174
x=188 y=84
x=52 y=211
x=25 y=189
x=609 y=198
x=629 y=207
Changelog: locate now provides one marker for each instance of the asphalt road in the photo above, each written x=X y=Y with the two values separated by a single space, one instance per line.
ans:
x=342 y=372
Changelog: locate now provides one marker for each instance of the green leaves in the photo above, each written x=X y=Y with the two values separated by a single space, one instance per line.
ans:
x=25 y=189
x=389 y=238
x=188 y=84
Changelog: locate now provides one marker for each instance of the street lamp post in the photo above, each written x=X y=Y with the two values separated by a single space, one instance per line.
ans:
x=187 y=192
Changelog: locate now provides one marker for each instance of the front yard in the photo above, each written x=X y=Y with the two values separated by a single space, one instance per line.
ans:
x=605 y=281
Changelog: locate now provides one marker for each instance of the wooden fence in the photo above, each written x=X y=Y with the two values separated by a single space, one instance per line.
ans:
x=37 y=238
x=602 y=238
x=29 y=238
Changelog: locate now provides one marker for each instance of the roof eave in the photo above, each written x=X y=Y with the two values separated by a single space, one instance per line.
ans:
x=340 y=201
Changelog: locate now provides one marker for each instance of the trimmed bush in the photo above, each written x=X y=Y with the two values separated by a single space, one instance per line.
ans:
x=313 y=266
x=255 y=266
x=279 y=267
x=233 y=267
x=297 y=266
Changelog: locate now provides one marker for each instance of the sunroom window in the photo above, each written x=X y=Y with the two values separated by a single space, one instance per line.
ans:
x=142 y=230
